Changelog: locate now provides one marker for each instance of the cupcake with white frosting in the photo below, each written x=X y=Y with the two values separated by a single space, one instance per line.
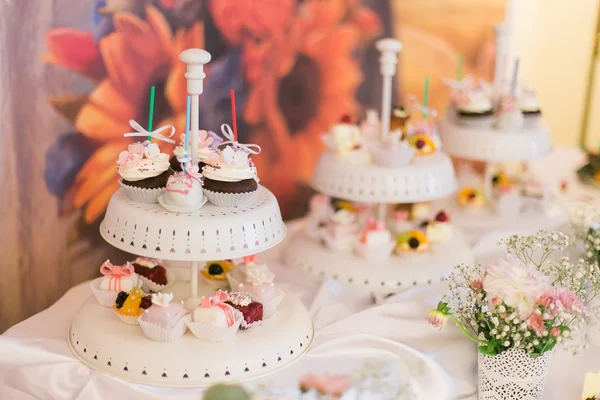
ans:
x=531 y=108
x=208 y=143
x=346 y=141
x=474 y=107
x=375 y=242
x=439 y=229
x=144 y=171
x=393 y=152
x=233 y=180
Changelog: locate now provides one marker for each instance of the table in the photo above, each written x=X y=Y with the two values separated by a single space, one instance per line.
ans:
x=35 y=360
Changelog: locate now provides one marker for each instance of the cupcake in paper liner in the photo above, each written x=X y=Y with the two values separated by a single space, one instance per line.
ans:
x=165 y=320
x=411 y=242
x=215 y=273
x=154 y=276
x=375 y=242
x=531 y=109
x=393 y=152
x=233 y=180
x=345 y=140
x=129 y=306
x=256 y=280
x=252 y=311
x=214 y=320
x=116 y=278
x=181 y=270
x=144 y=170
x=342 y=231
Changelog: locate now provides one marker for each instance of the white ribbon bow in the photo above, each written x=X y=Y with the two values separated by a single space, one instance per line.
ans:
x=414 y=104
x=156 y=134
x=228 y=133
x=467 y=81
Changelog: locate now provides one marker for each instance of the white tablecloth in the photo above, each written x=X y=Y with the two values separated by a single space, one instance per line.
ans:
x=36 y=363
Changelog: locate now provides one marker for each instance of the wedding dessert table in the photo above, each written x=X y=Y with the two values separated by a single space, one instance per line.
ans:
x=36 y=362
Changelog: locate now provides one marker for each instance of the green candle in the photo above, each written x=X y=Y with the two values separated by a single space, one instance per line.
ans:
x=426 y=96
x=151 y=112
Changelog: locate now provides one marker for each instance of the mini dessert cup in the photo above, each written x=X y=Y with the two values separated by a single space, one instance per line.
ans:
x=230 y=199
x=378 y=252
x=438 y=232
x=150 y=286
x=106 y=297
x=128 y=319
x=162 y=334
x=213 y=333
x=142 y=195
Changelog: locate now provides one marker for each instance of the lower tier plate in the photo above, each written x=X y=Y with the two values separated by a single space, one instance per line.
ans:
x=484 y=219
x=397 y=273
x=101 y=341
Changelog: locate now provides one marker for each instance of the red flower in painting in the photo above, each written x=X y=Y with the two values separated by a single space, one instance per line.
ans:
x=75 y=50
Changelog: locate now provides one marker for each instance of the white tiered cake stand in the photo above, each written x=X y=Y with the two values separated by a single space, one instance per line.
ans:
x=490 y=145
x=104 y=343
x=100 y=340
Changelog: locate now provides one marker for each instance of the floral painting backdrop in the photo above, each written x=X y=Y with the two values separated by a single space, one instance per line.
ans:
x=74 y=79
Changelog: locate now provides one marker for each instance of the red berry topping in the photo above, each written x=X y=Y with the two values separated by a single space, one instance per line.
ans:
x=146 y=302
x=346 y=119
x=442 y=217
x=420 y=144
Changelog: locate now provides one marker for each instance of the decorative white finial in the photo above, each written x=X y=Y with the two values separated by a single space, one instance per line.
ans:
x=195 y=60
x=389 y=49
x=502 y=41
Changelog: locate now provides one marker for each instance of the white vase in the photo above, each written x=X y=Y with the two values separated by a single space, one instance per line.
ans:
x=513 y=375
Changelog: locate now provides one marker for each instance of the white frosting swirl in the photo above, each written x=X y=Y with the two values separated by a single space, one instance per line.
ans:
x=147 y=168
x=477 y=102
x=529 y=103
x=203 y=153
x=235 y=166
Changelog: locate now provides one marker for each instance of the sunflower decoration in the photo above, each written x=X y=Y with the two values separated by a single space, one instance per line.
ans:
x=124 y=64
x=301 y=80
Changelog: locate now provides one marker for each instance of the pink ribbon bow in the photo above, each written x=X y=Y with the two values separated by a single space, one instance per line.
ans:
x=116 y=272
x=374 y=225
x=218 y=300
x=248 y=260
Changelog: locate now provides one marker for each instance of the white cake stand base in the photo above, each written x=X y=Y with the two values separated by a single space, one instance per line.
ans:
x=397 y=273
x=484 y=219
x=101 y=341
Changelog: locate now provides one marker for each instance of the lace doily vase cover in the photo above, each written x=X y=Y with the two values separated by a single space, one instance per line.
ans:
x=513 y=375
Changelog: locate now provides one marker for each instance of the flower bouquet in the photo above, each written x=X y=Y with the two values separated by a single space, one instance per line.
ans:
x=518 y=309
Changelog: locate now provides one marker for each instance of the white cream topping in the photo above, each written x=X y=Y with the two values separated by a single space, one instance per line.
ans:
x=203 y=153
x=529 y=103
x=476 y=102
x=438 y=231
x=345 y=137
x=374 y=238
x=235 y=166
x=147 y=168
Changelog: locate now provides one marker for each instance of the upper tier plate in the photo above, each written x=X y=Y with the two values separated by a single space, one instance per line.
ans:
x=426 y=178
x=213 y=233
x=491 y=145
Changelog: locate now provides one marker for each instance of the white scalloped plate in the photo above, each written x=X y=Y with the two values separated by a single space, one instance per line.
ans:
x=104 y=343
x=397 y=273
x=208 y=234
x=491 y=145
x=426 y=178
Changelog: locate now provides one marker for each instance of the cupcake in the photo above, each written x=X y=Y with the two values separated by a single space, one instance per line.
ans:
x=144 y=171
x=423 y=145
x=474 y=107
x=233 y=181
x=399 y=218
x=257 y=281
x=413 y=241
x=129 y=306
x=345 y=140
x=471 y=197
x=208 y=143
x=509 y=118
x=439 y=229
x=420 y=211
x=375 y=242
x=393 y=152
x=252 y=311
x=116 y=278
x=215 y=273
x=184 y=193
x=342 y=231
x=154 y=277
x=214 y=320
x=319 y=212
x=531 y=109
x=164 y=321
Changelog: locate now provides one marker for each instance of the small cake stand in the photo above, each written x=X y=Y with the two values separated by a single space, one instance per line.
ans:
x=491 y=146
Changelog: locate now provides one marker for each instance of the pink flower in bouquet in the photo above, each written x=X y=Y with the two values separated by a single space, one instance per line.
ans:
x=555 y=331
x=333 y=385
x=536 y=322
x=476 y=285
x=437 y=318
x=517 y=284
x=569 y=301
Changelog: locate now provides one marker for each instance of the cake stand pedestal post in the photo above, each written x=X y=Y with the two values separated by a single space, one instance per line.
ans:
x=194 y=300
x=389 y=49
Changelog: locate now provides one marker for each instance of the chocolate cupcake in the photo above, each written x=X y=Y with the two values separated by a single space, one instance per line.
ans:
x=475 y=108
x=233 y=181
x=144 y=171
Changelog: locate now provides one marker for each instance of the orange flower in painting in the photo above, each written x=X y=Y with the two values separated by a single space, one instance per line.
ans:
x=140 y=53
x=301 y=81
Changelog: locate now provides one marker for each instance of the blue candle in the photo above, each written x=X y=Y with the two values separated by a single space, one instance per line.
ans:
x=187 y=124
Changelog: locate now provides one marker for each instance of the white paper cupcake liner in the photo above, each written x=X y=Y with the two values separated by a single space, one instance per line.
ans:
x=224 y=284
x=390 y=159
x=212 y=333
x=269 y=306
x=379 y=252
x=162 y=334
x=142 y=195
x=229 y=199
x=105 y=297
x=128 y=319
x=148 y=285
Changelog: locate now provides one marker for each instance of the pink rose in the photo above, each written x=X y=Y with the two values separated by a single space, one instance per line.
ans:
x=477 y=285
x=555 y=331
x=536 y=323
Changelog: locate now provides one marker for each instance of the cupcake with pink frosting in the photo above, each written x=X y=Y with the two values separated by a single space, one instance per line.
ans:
x=208 y=143
x=165 y=321
x=375 y=242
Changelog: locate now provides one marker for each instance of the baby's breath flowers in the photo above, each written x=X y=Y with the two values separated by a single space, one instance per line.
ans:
x=526 y=301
